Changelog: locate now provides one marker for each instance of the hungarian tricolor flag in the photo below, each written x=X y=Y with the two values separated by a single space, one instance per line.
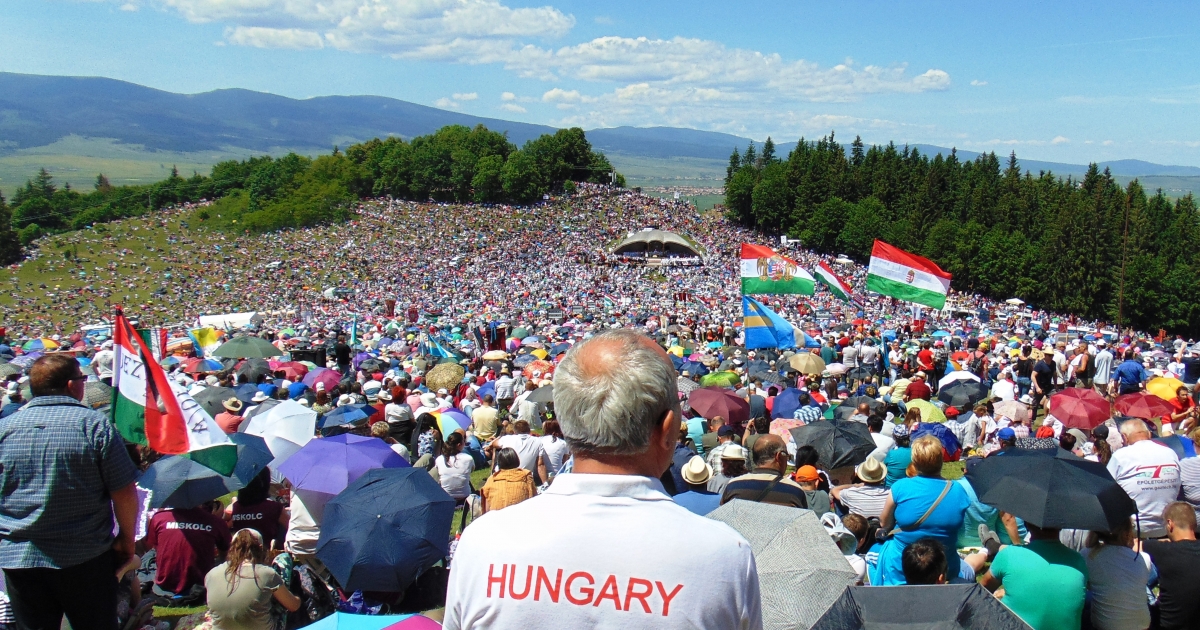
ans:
x=826 y=277
x=906 y=276
x=765 y=272
x=152 y=410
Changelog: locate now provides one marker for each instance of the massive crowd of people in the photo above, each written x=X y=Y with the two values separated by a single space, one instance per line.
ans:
x=472 y=312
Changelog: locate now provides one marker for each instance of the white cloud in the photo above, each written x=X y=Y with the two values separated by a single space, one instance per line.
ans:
x=446 y=103
x=129 y=6
x=978 y=83
x=603 y=19
x=261 y=37
x=508 y=96
x=469 y=96
x=1060 y=140
x=1107 y=143
x=513 y=107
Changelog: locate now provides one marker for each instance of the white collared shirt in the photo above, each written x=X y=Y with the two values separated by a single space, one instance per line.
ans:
x=609 y=554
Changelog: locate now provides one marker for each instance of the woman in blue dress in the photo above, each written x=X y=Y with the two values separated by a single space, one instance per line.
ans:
x=908 y=514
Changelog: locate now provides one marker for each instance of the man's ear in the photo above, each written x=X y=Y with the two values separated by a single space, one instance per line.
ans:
x=669 y=427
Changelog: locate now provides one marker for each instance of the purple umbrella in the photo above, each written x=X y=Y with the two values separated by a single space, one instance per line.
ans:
x=322 y=375
x=328 y=465
x=359 y=358
x=26 y=360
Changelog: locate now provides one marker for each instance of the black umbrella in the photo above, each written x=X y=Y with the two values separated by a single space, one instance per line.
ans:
x=253 y=369
x=385 y=529
x=858 y=373
x=1053 y=490
x=839 y=443
x=543 y=394
x=179 y=482
x=963 y=393
x=372 y=365
x=941 y=607
x=211 y=398
x=849 y=407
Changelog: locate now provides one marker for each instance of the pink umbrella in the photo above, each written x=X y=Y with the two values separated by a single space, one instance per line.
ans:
x=330 y=378
x=415 y=622
x=695 y=356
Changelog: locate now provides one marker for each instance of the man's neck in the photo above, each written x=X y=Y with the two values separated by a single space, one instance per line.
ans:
x=1178 y=535
x=614 y=465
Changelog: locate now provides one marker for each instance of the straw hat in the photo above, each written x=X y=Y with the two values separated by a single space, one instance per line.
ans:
x=871 y=470
x=696 y=472
x=733 y=451
x=233 y=405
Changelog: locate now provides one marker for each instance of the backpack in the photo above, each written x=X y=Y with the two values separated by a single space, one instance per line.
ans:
x=975 y=365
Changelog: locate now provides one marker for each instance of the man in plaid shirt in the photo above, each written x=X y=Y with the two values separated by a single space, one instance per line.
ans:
x=64 y=475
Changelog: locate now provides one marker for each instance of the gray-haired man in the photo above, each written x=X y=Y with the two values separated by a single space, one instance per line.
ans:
x=608 y=550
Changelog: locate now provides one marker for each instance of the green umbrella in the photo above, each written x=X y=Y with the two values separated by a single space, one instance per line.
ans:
x=519 y=333
x=720 y=379
x=929 y=411
x=247 y=348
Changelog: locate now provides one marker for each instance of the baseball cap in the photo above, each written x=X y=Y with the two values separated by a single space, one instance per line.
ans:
x=807 y=474
x=725 y=430
x=1007 y=434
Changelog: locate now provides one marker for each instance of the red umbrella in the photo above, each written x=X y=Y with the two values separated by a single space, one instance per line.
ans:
x=1143 y=405
x=292 y=369
x=711 y=402
x=1080 y=408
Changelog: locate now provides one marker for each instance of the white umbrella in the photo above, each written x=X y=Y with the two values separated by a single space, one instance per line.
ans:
x=957 y=375
x=1015 y=301
x=286 y=428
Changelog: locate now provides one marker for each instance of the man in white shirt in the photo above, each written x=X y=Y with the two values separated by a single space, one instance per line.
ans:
x=504 y=389
x=102 y=362
x=1149 y=473
x=883 y=443
x=1103 y=364
x=614 y=557
x=1005 y=388
x=528 y=448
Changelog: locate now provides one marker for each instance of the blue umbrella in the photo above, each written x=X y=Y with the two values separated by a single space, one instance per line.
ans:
x=253 y=455
x=328 y=465
x=385 y=529
x=83 y=361
x=786 y=403
x=942 y=333
x=486 y=389
x=295 y=390
x=523 y=360
x=559 y=348
x=347 y=414
x=245 y=392
x=693 y=368
x=179 y=482
x=715 y=344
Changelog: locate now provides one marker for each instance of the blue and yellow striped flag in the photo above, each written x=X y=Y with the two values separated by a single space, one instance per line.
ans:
x=765 y=329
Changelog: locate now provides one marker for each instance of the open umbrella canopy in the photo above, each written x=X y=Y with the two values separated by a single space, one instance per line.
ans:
x=836 y=369
x=963 y=394
x=519 y=333
x=544 y=368
x=347 y=415
x=941 y=607
x=858 y=373
x=523 y=360
x=8 y=369
x=1164 y=387
x=385 y=529
x=801 y=571
x=285 y=428
x=197 y=365
x=349 y=621
x=807 y=363
x=543 y=394
x=451 y=420
x=253 y=369
x=242 y=458
x=42 y=343
x=720 y=379
x=330 y=378
x=495 y=355
x=294 y=370
x=1055 y=490
x=956 y=376
x=179 y=482
x=1080 y=408
x=330 y=464
x=929 y=411
x=1143 y=405
x=686 y=385
x=97 y=394
x=1011 y=409
x=693 y=369
x=210 y=398
x=247 y=348
x=838 y=442
x=786 y=404
x=711 y=402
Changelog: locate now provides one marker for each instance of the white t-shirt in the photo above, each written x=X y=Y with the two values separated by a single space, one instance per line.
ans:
x=1004 y=390
x=883 y=444
x=608 y=562
x=528 y=448
x=1117 y=579
x=304 y=521
x=456 y=475
x=554 y=453
x=402 y=451
x=1149 y=473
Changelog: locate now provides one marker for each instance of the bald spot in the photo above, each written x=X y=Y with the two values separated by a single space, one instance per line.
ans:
x=601 y=354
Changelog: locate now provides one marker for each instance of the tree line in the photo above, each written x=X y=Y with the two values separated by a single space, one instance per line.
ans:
x=455 y=163
x=1085 y=246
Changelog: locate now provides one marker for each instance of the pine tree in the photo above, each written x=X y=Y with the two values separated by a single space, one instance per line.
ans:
x=102 y=184
x=735 y=162
x=10 y=243
x=750 y=157
x=42 y=184
x=768 y=152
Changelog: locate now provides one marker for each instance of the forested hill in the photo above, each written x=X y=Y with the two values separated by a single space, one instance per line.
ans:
x=1066 y=244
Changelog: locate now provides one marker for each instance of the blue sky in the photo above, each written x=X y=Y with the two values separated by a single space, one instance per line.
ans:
x=1070 y=82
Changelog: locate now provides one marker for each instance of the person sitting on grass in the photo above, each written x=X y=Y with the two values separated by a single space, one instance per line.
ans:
x=509 y=484
x=924 y=563
x=241 y=590
x=1030 y=573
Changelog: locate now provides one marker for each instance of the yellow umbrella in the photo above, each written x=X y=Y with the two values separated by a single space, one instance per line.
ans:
x=807 y=363
x=929 y=411
x=1164 y=387
x=539 y=353
x=676 y=350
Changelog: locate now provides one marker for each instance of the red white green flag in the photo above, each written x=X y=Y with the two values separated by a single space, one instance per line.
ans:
x=906 y=276
x=764 y=271
x=151 y=410
x=836 y=285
